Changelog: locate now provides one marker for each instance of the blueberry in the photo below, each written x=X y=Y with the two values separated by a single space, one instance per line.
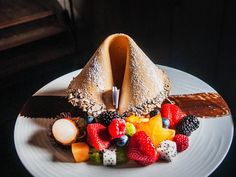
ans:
x=121 y=141
x=165 y=122
x=154 y=113
x=89 y=119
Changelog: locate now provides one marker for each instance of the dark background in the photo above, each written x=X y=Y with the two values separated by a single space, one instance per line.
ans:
x=198 y=37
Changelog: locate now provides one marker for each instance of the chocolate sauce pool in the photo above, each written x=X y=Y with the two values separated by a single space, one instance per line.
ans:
x=204 y=105
x=49 y=107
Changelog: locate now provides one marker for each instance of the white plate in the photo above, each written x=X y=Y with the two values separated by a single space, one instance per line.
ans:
x=208 y=145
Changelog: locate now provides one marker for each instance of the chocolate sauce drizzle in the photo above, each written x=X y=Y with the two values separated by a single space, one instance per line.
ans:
x=49 y=107
x=204 y=105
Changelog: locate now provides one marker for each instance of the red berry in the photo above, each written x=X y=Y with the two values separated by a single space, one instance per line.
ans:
x=173 y=113
x=98 y=136
x=182 y=142
x=117 y=128
x=141 y=149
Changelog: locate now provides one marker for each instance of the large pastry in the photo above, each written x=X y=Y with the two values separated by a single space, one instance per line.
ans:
x=119 y=62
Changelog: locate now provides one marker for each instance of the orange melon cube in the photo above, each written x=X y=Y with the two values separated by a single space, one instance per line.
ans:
x=80 y=151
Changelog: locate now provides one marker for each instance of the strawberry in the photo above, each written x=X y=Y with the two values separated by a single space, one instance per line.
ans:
x=98 y=136
x=117 y=128
x=141 y=149
x=182 y=142
x=173 y=113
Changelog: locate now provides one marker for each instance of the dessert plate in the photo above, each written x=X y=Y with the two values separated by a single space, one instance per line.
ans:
x=208 y=145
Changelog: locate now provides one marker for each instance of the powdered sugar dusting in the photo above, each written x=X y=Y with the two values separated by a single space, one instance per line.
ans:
x=142 y=68
x=84 y=90
x=95 y=74
x=149 y=93
x=137 y=78
x=148 y=85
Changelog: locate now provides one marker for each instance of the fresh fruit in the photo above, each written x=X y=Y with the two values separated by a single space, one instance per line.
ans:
x=187 y=125
x=165 y=122
x=89 y=119
x=95 y=156
x=173 y=113
x=98 y=136
x=155 y=131
x=106 y=117
x=167 y=150
x=122 y=141
x=117 y=128
x=141 y=149
x=80 y=151
x=121 y=156
x=109 y=156
x=65 y=131
x=154 y=113
x=130 y=129
x=181 y=141
x=135 y=119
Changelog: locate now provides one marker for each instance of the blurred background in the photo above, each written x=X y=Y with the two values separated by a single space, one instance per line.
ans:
x=41 y=40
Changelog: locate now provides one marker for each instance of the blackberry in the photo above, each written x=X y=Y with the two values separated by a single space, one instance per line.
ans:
x=154 y=113
x=106 y=117
x=124 y=115
x=187 y=125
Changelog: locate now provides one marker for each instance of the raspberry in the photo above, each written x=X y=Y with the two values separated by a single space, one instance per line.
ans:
x=117 y=128
x=187 y=125
x=105 y=118
x=182 y=142
x=141 y=149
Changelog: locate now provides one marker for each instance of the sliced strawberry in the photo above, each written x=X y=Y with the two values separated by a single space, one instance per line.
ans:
x=141 y=159
x=141 y=149
x=173 y=113
x=98 y=136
